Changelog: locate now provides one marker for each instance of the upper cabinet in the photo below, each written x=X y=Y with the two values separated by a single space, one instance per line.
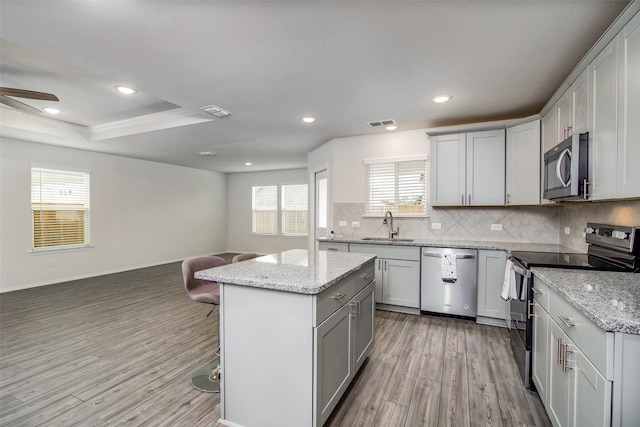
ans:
x=523 y=175
x=468 y=169
x=603 y=139
x=629 y=109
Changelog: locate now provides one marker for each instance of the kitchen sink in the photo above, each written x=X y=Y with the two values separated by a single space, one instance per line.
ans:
x=387 y=239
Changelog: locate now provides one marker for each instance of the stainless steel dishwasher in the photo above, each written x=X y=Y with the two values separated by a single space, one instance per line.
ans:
x=449 y=280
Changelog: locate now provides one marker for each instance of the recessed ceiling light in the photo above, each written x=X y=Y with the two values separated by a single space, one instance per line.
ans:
x=207 y=153
x=248 y=164
x=125 y=90
x=392 y=127
x=51 y=110
x=440 y=99
x=308 y=119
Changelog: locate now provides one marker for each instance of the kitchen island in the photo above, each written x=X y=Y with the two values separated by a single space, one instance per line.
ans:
x=295 y=327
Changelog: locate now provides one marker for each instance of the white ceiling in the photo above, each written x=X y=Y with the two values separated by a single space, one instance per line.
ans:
x=272 y=62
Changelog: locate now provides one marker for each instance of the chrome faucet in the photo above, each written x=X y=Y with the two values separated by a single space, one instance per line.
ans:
x=389 y=222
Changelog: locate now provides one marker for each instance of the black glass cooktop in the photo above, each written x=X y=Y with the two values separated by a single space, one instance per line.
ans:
x=566 y=260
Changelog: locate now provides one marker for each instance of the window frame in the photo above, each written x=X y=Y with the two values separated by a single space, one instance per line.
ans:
x=86 y=209
x=280 y=212
x=395 y=208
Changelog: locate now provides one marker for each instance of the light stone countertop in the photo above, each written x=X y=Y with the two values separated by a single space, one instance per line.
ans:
x=461 y=244
x=610 y=299
x=295 y=270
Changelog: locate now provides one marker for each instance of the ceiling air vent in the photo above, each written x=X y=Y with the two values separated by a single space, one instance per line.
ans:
x=382 y=123
x=214 y=110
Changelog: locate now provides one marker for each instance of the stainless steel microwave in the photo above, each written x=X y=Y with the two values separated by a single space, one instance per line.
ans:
x=566 y=169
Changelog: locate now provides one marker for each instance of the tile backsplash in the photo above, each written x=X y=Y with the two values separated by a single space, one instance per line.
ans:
x=520 y=224
x=529 y=224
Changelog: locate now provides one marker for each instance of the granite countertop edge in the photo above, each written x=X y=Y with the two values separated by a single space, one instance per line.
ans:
x=575 y=287
x=279 y=284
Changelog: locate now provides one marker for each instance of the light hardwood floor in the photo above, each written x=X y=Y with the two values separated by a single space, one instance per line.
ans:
x=120 y=350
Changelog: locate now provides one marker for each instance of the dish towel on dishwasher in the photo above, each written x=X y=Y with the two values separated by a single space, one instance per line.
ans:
x=509 y=290
x=448 y=267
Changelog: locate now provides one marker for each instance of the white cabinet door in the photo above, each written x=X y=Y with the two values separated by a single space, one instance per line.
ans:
x=591 y=395
x=580 y=108
x=401 y=283
x=565 y=116
x=486 y=168
x=603 y=140
x=629 y=110
x=491 y=265
x=448 y=169
x=549 y=136
x=363 y=312
x=540 y=354
x=334 y=362
x=523 y=174
x=559 y=380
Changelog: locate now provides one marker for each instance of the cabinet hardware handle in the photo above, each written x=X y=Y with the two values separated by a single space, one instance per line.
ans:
x=584 y=189
x=536 y=291
x=338 y=296
x=565 y=367
x=366 y=276
x=508 y=198
x=568 y=323
x=385 y=265
x=561 y=350
x=530 y=304
x=469 y=199
x=462 y=200
x=332 y=249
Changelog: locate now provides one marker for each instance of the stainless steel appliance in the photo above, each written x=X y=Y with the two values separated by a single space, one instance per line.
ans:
x=452 y=293
x=610 y=248
x=566 y=169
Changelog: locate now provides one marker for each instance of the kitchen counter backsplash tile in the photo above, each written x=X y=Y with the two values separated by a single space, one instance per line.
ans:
x=610 y=299
x=519 y=224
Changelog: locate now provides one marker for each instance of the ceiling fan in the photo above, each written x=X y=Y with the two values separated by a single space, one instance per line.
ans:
x=7 y=95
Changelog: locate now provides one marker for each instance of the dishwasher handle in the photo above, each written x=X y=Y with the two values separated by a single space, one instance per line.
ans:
x=439 y=255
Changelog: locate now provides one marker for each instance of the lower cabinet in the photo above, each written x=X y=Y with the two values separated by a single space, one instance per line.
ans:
x=342 y=343
x=397 y=272
x=491 y=265
x=574 y=392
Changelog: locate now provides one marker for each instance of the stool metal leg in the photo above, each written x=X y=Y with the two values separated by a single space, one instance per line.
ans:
x=207 y=378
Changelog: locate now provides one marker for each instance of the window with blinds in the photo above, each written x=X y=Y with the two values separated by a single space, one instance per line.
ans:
x=265 y=209
x=281 y=209
x=295 y=209
x=399 y=187
x=60 y=209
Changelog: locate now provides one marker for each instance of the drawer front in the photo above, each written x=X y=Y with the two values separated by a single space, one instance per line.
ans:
x=333 y=246
x=331 y=299
x=365 y=276
x=541 y=293
x=409 y=253
x=593 y=342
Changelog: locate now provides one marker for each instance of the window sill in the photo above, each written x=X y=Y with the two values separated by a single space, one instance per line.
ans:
x=60 y=250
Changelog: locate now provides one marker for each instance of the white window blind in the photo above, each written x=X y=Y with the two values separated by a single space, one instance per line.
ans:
x=399 y=187
x=265 y=209
x=295 y=209
x=60 y=209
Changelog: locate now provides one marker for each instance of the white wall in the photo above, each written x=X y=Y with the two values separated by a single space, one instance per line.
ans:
x=241 y=239
x=142 y=213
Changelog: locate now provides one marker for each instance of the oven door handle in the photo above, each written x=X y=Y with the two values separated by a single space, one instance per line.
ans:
x=566 y=153
x=519 y=269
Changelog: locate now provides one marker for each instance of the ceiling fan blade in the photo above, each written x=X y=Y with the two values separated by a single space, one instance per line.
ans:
x=19 y=105
x=22 y=93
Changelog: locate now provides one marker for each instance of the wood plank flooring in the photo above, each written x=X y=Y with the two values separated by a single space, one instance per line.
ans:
x=119 y=350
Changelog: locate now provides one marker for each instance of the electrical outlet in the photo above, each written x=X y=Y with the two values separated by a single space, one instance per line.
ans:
x=436 y=225
x=355 y=224
x=496 y=227
x=567 y=230
x=49 y=262
x=343 y=223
